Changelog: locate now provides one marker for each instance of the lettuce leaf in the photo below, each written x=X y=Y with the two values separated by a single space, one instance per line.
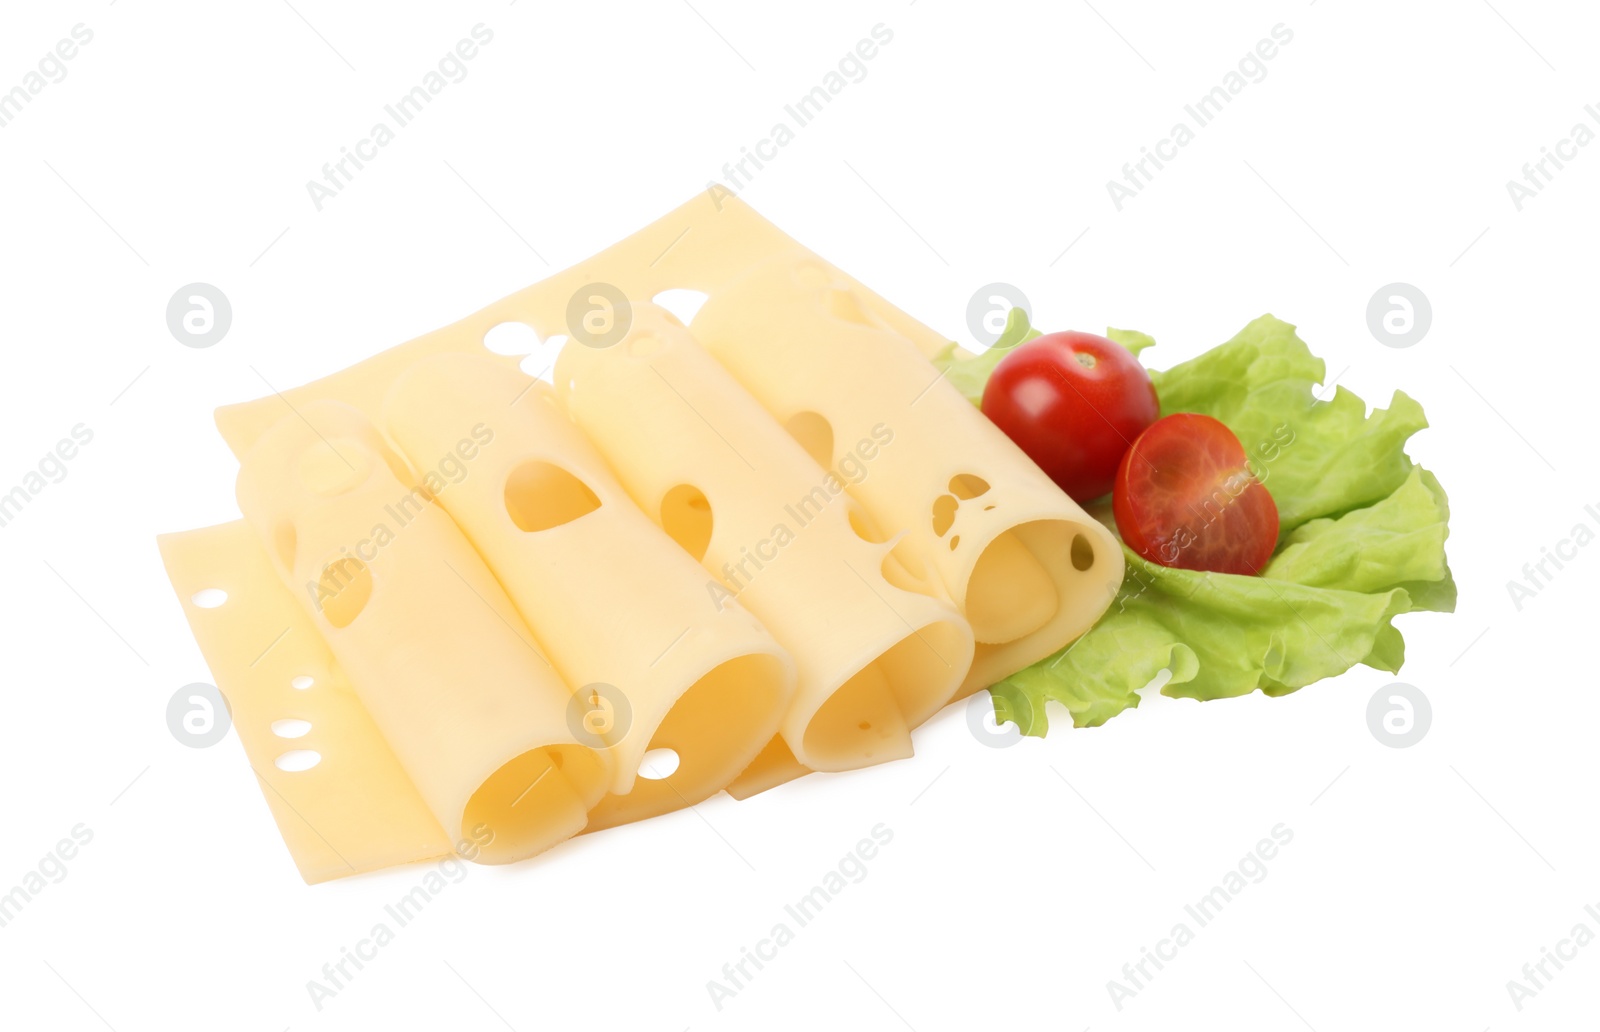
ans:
x=1326 y=457
x=967 y=372
x=1363 y=535
x=1398 y=541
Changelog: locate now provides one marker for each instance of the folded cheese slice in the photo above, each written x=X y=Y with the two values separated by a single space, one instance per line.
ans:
x=858 y=562
x=354 y=809
x=1028 y=568
x=776 y=531
x=622 y=611
x=467 y=700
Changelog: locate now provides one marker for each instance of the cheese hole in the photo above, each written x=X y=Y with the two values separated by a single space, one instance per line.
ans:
x=531 y=802
x=298 y=760
x=511 y=338
x=865 y=529
x=302 y=682
x=209 y=598
x=968 y=485
x=686 y=517
x=540 y=361
x=658 y=764
x=904 y=570
x=1082 y=553
x=344 y=589
x=815 y=435
x=713 y=732
x=868 y=717
x=909 y=560
x=955 y=542
x=291 y=728
x=895 y=573
x=541 y=495
x=1011 y=593
x=685 y=304
x=944 y=514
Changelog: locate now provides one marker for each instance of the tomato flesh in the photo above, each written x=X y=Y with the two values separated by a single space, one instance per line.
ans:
x=1073 y=402
x=1186 y=497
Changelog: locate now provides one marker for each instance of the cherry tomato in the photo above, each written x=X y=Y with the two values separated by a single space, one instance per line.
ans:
x=1073 y=402
x=1186 y=497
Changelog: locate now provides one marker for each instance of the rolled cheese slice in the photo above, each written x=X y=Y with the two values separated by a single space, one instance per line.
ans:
x=622 y=610
x=775 y=530
x=1028 y=568
x=472 y=709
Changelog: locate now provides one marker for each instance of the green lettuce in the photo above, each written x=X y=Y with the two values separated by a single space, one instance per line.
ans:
x=1362 y=541
x=1262 y=384
x=968 y=373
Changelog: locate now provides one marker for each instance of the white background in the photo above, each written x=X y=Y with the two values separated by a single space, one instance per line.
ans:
x=1019 y=880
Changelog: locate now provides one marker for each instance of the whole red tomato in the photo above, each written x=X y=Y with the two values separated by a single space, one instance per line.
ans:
x=1074 y=402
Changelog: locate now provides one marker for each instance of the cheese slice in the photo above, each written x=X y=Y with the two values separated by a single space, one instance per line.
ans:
x=774 y=766
x=739 y=494
x=1028 y=568
x=463 y=694
x=355 y=809
x=938 y=563
x=703 y=245
x=622 y=611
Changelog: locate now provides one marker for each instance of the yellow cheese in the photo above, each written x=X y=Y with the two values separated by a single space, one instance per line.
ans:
x=703 y=245
x=464 y=696
x=354 y=810
x=702 y=458
x=1028 y=568
x=458 y=661
x=774 y=766
x=621 y=609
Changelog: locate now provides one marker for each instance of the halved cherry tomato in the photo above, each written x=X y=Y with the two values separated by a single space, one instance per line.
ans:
x=1074 y=402
x=1186 y=497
